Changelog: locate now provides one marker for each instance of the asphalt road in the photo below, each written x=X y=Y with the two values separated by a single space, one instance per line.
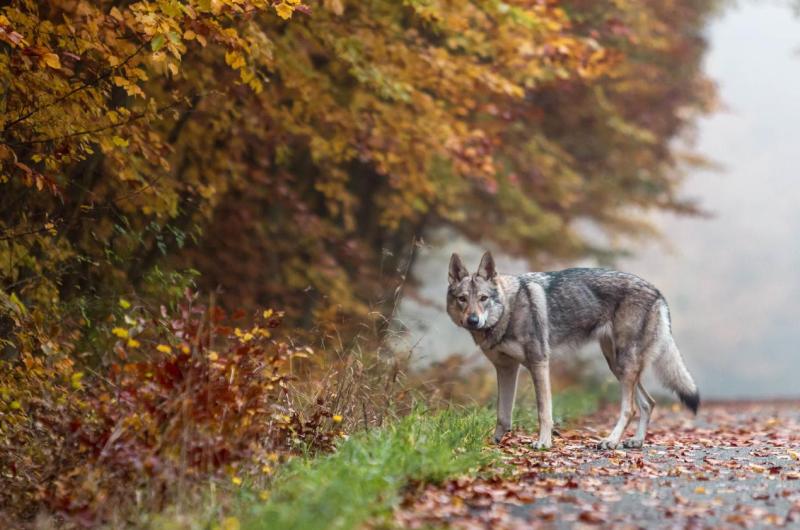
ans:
x=733 y=466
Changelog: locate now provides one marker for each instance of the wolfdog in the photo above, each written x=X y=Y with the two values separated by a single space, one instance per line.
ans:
x=521 y=320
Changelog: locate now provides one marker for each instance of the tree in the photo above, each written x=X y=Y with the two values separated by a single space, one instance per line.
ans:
x=292 y=154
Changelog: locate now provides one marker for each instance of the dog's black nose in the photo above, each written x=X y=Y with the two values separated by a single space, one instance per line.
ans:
x=473 y=320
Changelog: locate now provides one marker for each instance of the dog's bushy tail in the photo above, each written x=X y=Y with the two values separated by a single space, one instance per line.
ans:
x=672 y=371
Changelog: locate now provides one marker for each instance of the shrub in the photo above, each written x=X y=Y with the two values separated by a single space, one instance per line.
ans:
x=180 y=399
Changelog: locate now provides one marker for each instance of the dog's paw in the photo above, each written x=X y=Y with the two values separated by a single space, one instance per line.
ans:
x=633 y=443
x=607 y=443
x=542 y=445
x=498 y=436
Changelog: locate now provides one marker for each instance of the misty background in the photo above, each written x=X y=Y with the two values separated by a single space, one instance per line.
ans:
x=733 y=279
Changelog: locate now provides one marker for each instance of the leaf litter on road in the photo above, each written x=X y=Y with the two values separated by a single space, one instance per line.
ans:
x=735 y=465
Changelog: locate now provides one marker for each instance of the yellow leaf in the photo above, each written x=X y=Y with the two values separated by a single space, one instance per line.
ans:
x=17 y=302
x=141 y=74
x=247 y=75
x=120 y=332
x=337 y=418
x=124 y=304
x=207 y=191
x=189 y=35
x=230 y=523
x=237 y=481
x=163 y=348
x=235 y=59
x=213 y=356
x=699 y=489
x=263 y=495
x=133 y=343
x=75 y=380
x=15 y=405
x=256 y=85
x=284 y=10
x=52 y=60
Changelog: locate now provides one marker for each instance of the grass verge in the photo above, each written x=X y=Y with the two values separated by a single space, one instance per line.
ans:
x=366 y=475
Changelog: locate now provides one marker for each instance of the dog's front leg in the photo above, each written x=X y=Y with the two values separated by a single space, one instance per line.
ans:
x=540 y=370
x=507 y=374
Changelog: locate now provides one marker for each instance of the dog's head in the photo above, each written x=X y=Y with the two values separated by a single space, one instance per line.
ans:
x=474 y=301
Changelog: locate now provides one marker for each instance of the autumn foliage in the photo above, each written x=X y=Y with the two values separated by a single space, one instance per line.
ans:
x=291 y=152
x=182 y=400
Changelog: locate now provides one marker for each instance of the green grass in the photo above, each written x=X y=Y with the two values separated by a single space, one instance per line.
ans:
x=365 y=477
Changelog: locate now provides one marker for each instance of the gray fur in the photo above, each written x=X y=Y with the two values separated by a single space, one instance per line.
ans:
x=523 y=319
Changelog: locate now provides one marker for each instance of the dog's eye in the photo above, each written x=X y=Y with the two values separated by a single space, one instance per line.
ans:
x=462 y=298
x=483 y=298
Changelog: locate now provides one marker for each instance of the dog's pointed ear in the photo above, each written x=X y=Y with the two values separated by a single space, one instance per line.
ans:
x=486 y=268
x=457 y=270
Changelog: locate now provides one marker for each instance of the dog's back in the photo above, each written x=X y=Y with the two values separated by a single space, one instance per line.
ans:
x=581 y=302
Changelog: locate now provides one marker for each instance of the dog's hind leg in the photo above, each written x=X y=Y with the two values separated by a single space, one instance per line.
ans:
x=645 y=404
x=656 y=326
x=627 y=382
x=607 y=347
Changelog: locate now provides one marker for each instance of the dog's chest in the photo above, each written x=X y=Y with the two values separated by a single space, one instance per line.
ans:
x=507 y=348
